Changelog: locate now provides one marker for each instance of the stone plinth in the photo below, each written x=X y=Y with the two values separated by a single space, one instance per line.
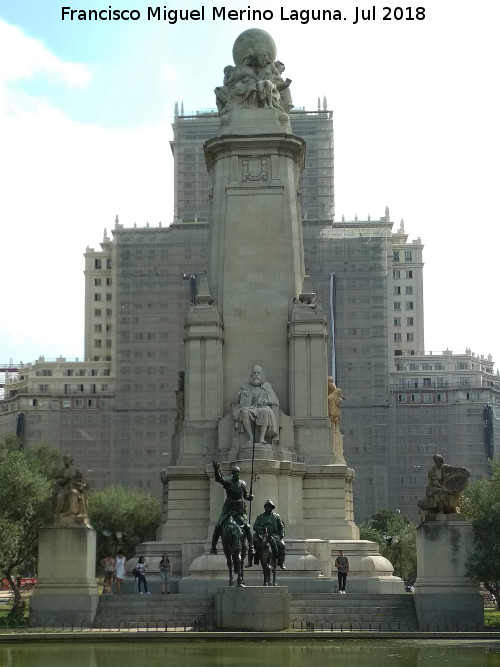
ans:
x=66 y=590
x=446 y=599
x=256 y=609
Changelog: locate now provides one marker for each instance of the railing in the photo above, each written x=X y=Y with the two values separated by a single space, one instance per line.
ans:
x=201 y=624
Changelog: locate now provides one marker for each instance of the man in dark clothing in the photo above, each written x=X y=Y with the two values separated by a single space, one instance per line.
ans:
x=270 y=523
x=234 y=505
x=342 y=565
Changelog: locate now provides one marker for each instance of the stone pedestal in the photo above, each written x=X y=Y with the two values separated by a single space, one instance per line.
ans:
x=445 y=598
x=66 y=590
x=254 y=609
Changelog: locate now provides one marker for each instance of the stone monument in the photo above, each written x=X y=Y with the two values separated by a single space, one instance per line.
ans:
x=446 y=599
x=255 y=388
x=66 y=590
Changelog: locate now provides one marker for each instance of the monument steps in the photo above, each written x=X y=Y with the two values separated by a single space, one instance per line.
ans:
x=360 y=610
x=135 y=608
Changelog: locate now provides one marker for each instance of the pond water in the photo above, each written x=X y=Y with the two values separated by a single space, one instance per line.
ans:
x=254 y=653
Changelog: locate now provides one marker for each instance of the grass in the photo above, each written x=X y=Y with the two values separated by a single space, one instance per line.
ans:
x=492 y=618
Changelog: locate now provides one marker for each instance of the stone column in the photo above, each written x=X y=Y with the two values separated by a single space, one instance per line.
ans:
x=66 y=589
x=256 y=264
x=446 y=599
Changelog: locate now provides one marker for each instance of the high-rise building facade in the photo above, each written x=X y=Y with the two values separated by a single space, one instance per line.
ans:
x=115 y=411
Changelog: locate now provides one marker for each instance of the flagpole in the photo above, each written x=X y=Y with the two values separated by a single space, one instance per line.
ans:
x=251 y=478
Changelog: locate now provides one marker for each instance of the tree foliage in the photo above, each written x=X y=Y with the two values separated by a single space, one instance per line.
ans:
x=123 y=518
x=396 y=537
x=481 y=505
x=26 y=484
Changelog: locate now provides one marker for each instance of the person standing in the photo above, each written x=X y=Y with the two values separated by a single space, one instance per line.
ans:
x=141 y=575
x=109 y=571
x=165 y=567
x=342 y=565
x=120 y=571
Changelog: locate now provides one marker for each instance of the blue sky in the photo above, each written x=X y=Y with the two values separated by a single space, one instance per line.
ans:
x=85 y=120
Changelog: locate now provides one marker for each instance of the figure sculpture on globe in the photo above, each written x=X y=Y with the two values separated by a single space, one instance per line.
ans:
x=255 y=81
x=446 y=484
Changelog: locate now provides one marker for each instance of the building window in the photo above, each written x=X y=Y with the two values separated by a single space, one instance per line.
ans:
x=396 y=255
x=413 y=367
x=97 y=328
x=109 y=297
x=97 y=263
x=109 y=312
x=397 y=289
x=409 y=337
x=464 y=382
x=108 y=263
x=427 y=382
x=397 y=321
x=397 y=305
x=97 y=297
x=409 y=289
x=427 y=398
x=409 y=305
x=462 y=366
x=408 y=274
x=398 y=353
x=401 y=398
x=108 y=281
x=97 y=312
x=397 y=337
x=97 y=282
x=97 y=342
x=407 y=255
x=396 y=275
x=43 y=388
x=409 y=321
x=415 y=398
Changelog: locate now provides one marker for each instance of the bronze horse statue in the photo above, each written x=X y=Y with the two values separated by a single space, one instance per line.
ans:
x=268 y=556
x=233 y=544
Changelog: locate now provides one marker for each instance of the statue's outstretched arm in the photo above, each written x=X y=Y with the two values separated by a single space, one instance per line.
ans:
x=217 y=474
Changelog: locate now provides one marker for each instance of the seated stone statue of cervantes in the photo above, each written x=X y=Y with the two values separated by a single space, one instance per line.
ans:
x=255 y=409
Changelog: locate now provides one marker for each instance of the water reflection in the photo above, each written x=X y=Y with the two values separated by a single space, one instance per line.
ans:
x=254 y=653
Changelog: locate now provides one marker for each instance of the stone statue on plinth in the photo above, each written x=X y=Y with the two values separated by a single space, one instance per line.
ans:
x=255 y=81
x=269 y=525
x=335 y=398
x=446 y=484
x=234 y=506
x=179 y=398
x=255 y=405
x=70 y=494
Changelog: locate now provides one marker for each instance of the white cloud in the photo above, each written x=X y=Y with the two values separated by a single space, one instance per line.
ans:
x=22 y=57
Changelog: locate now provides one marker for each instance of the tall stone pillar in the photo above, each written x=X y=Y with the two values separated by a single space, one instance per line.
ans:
x=256 y=266
x=446 y=599
x=66 y=589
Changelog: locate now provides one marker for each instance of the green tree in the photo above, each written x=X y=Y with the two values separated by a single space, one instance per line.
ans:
x=26 y=483
x=123 y=518
x=396 y=536
x=481 y=505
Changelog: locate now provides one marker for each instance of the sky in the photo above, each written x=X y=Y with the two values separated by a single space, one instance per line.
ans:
x=85 y=121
